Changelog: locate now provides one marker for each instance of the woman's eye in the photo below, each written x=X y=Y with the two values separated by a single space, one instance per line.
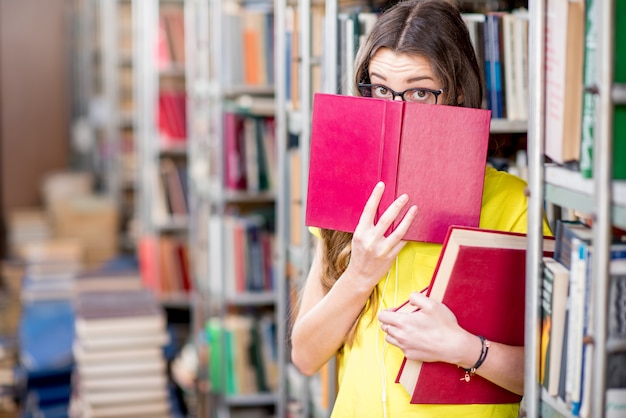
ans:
x=381 y=91
x=420 y=95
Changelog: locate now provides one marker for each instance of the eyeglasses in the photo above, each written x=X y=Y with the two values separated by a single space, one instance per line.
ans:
x=414 y=95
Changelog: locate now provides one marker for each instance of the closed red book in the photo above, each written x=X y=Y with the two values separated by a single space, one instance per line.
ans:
x=481 y=277
x=434 y=153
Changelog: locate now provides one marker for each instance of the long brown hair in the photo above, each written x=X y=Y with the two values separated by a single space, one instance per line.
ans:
x=433 y=29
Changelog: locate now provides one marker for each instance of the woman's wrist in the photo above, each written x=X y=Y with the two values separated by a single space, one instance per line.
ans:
x=484 y=351
x=470 y=350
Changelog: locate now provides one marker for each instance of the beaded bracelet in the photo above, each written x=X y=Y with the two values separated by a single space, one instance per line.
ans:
x=484 y=349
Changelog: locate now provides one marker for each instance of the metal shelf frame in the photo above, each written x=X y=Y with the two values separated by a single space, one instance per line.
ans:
x=601 y=197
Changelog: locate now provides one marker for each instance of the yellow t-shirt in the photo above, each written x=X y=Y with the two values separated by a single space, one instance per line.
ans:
x=360 y=366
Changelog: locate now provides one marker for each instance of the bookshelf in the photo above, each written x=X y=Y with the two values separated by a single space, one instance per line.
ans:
x=601 y=199
x=233 y=207
x=160 y=132
x=119 y=150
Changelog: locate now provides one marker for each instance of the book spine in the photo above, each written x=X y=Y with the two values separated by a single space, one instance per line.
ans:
x=589 y=99
x=546 y=326
x=390 y=141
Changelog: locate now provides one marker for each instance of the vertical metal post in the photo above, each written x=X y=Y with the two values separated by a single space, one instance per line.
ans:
x=603 y=168
x=536 y=77
x=282 y=204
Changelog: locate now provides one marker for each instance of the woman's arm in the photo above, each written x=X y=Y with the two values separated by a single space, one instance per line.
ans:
x=433 y=334
x=323 y=320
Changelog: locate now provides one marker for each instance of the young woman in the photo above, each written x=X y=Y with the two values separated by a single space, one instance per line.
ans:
x=418 y=51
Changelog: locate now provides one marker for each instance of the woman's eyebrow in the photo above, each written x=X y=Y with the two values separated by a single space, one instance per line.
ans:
x=410 y=80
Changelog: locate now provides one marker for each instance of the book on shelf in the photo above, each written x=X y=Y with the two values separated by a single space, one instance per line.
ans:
x=172 y=176
x=164 y=264
x=475 y=23
x=494 y=64
x=174 y=23
x=435 y=154
x=250 y=150
x=258 y=45
x=616 y=403
x=588 y=120
x=565 y=30
x=487 y=268
x=555 y=286
x=619 y=115
x=243 y=356
x=172 y=116
x=590 y=99
x=565 y=232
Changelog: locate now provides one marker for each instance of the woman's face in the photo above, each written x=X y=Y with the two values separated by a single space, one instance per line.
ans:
x=400 y=72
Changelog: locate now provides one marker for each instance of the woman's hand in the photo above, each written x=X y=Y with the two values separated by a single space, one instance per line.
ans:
x=372 y=252
x=431 y=333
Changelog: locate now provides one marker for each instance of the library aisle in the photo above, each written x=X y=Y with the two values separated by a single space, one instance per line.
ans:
x=154 y=163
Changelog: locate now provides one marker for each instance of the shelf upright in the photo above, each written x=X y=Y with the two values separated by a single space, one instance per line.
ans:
x=282 y=203
x=108 y=15
x=535 y=150
x=602 y=173
x=145 y=23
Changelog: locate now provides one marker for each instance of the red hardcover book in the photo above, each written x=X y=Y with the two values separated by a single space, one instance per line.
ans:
x=434 y=153
x=481 y=277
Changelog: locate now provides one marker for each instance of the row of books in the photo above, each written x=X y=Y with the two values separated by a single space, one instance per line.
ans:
x=172 y=194
x=250 y=152
x=500 y=40
x=243 y=354
x=171 y=37
x=248 y=250
x=172 y=116
x=248 y=44
x=164 y=264
x=567 y=323
x=571 y=60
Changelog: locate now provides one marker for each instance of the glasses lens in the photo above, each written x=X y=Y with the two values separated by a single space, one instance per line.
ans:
x=420 y=96
x=365 y=91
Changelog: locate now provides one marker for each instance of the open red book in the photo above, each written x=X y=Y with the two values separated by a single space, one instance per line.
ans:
x=481 y=277
x=434 y=153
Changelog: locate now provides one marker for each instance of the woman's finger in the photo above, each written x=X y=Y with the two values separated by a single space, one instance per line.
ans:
x=400 y=231
x=390 y=215
x=371 y=206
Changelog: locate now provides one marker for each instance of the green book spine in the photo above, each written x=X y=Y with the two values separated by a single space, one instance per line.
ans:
x=619 y=115
x=589 y=99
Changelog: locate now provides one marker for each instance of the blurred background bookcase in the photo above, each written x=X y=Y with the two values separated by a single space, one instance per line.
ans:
x=586 y=185
x=162 y=195
x=234 y=182
x=161 y=149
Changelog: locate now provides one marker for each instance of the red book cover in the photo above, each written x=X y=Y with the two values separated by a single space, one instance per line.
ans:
x=434 y=153
x=234 y=157
x=148 y=249
x=481 y=277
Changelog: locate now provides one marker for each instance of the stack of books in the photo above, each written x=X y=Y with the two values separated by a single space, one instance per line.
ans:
x=50 y=267
x=118 y=350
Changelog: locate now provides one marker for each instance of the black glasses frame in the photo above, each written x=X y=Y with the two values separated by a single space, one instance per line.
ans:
x=401 y=94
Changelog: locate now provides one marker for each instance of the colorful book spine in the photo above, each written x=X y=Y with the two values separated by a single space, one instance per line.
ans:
x=589 y=98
